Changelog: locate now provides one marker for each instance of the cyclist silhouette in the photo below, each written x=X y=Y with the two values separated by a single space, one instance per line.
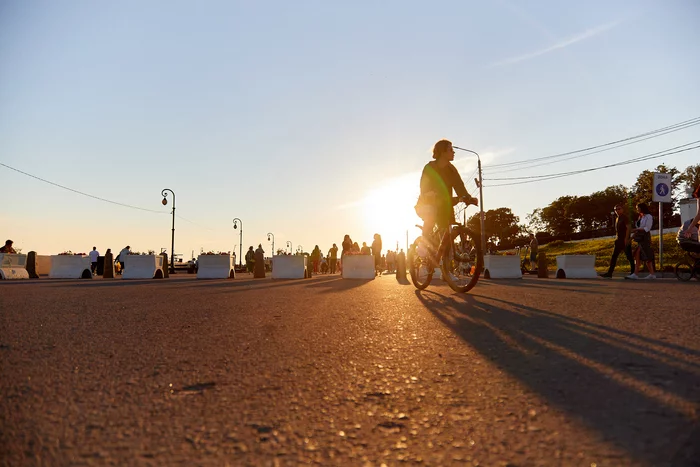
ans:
x=438 y=180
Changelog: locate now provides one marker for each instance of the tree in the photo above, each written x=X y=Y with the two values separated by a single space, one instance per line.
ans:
x=690 y=177
x=535 y=222
x=500 y=224
x=557 y=216
x=642 y=190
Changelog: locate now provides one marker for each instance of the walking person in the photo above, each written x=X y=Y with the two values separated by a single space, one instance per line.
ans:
x=642 y=236
x=622 y=241
x=94 y=254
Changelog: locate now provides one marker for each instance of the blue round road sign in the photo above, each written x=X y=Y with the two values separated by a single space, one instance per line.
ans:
x=662 y=189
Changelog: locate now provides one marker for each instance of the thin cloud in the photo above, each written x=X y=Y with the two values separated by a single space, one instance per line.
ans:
x=563 y=44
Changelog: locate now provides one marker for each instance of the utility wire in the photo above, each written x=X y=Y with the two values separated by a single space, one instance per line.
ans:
x=540 y=178
x=652 y=134
x=506 y=169
x=82 y=193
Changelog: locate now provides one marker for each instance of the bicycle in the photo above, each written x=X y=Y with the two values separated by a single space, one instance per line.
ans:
x=688 y=267
x=458 y=254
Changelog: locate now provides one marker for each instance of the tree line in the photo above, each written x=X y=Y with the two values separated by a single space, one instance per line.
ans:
x=588 y=216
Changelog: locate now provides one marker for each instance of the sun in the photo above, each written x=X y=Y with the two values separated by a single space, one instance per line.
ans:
x=389 y=210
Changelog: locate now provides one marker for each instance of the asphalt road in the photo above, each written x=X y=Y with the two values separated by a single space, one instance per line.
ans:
x=328 y=371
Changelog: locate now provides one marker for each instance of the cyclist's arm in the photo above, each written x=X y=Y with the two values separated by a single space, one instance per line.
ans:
x=458 y=184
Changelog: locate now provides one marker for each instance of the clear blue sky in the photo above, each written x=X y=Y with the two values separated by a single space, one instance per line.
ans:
x=313 y=119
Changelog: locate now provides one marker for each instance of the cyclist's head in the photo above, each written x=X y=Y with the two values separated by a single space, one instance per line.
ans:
x=443 y=148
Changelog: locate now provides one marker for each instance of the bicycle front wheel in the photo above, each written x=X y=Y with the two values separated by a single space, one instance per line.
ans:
x=419 y=267
x=462 y=261
x=684 y=271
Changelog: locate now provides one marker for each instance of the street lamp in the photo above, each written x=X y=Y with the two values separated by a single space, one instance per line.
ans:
x=300 y=249
x=237 y=221
x=291 y=247
x=481 y=197
x=172 y=244
x=273 y=242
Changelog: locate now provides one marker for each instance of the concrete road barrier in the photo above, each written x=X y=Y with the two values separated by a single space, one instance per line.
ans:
x=43 y=265
x=13 y=266
x=358 y=267
x=70 y=267
x=215 y=267
x=289 y=267
x=143 y=267
x=576 y=267
x=502 y=267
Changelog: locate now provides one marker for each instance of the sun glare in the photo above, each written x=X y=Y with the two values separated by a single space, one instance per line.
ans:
x=388 y=210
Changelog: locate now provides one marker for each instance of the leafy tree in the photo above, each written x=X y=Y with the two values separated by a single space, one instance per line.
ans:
x=557 y=216
x=500 y=225
x=535 y=222
x=642 y=190
x=690 y=177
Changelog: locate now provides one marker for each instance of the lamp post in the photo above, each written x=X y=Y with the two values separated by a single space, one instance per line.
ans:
x=172 y=243
x=481 y=197
x=300 y=249
x=237 y=221
x=273 y=242
x=291 y=247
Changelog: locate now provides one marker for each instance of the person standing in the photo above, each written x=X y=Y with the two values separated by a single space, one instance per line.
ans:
x=316 y=258
x=333 y=256
x=126 y=251
x=94 y=254
x=641 y=234
x=8 y=248
x=377 y=253
x=250 y=260
x=622 y=240
x=534 y=247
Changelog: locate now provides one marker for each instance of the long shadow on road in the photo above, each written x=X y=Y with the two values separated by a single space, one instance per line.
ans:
x=640 y=394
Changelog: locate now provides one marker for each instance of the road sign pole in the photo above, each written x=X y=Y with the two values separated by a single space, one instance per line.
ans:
x=661 y=238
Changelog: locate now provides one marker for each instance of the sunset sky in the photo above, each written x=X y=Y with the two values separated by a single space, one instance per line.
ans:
x=313 y=119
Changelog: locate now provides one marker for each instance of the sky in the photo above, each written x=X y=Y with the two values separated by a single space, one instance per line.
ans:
x=313 y=119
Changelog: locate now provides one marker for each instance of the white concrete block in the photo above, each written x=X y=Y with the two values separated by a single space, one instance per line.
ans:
x=13 y=266
x=289 y=266
x=70 y=267
x=143 y=267
x=358 y=267
x=502 y=267
x=215 y=267
x=576 y=267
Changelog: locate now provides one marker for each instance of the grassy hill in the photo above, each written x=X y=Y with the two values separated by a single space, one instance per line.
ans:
x=603 y=248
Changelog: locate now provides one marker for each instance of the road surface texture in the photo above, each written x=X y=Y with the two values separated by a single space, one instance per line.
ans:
x=327 y=371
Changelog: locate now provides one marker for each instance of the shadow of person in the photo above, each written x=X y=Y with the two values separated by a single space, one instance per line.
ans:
x=642 y=396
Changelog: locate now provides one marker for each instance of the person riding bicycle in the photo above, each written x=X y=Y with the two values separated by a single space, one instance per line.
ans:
x=437 y=181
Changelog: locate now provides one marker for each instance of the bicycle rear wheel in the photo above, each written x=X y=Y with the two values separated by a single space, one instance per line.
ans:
x=419 y=267
x=684 y=271
x=462 y=261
